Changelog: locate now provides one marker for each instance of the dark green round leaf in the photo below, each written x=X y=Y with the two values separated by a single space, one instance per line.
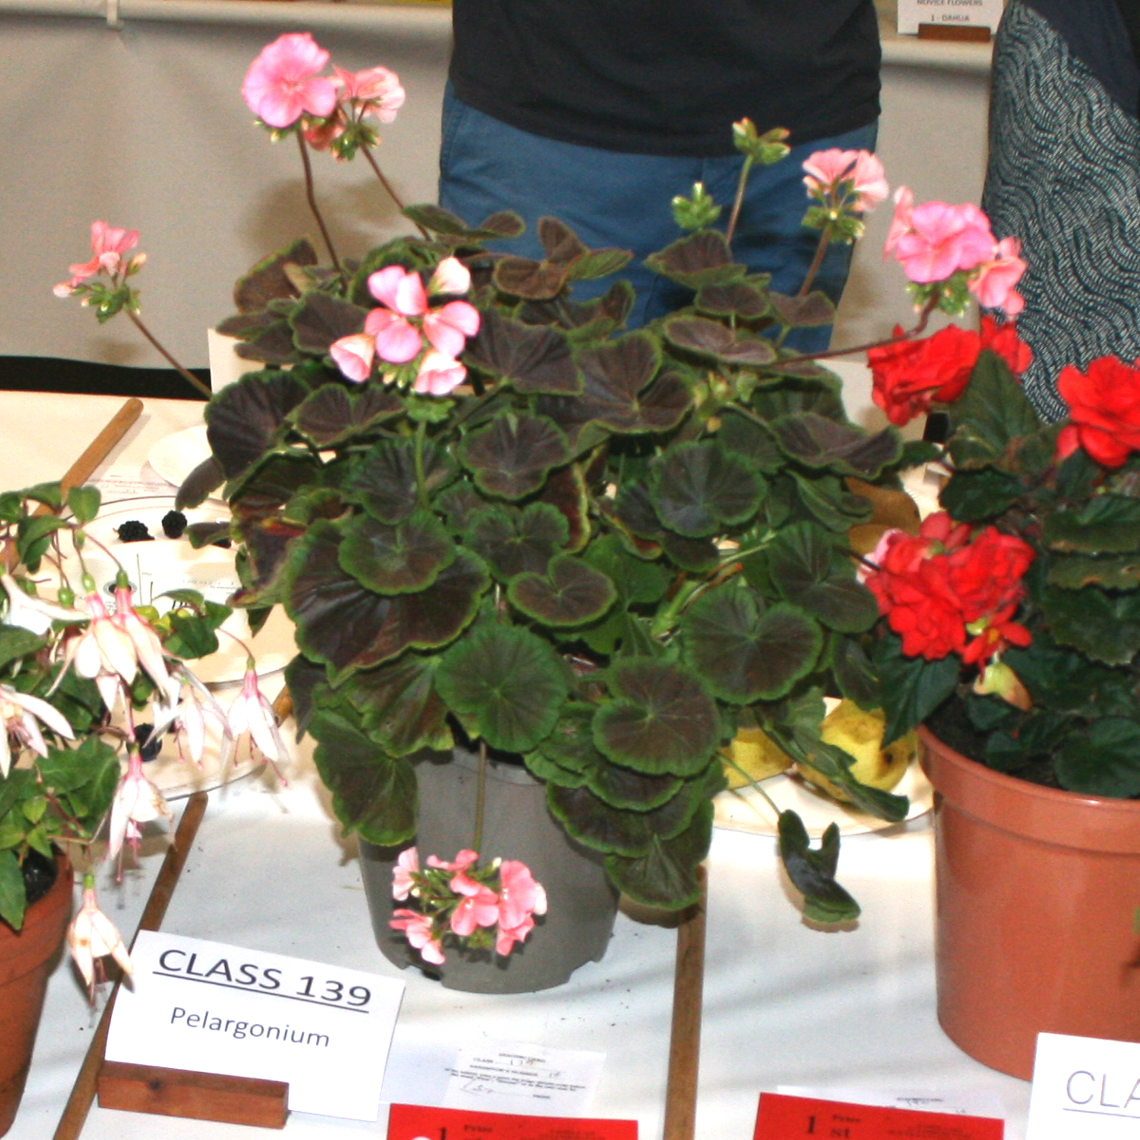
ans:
x=660 y=720
x=396 y=559
x=514 y=541
x=571 y=592
x=698 y=487
x=383 y=480
x=821 y=442
x=512 y=455
x=330 y=415
x=528 y=357
x=745 y=652
x=242 y=420
x=505 y=684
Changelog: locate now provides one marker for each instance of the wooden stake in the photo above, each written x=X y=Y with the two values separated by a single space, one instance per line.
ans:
x=685 y=1034
x=83 y=1091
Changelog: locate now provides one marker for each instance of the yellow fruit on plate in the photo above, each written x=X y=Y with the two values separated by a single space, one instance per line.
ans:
x=860 y=734
x=754 y=756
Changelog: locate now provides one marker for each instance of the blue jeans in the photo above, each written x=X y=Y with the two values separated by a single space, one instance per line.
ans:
x=623 y=200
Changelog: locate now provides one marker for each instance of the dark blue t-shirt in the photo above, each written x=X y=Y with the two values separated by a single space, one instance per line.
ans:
x=668 y=76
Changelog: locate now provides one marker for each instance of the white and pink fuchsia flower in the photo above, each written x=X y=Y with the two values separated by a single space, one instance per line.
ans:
x=92 y=935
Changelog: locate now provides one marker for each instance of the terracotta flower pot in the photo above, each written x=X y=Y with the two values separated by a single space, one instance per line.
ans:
x=517 y=825
x=1038 y=891
x=25 y=962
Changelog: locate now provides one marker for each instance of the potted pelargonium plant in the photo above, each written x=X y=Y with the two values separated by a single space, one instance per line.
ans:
x=502 y=523
x=1010 y=629
x=87 y=683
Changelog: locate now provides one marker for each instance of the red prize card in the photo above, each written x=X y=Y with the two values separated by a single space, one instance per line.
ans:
x=793 y=1117
x=414 y=1122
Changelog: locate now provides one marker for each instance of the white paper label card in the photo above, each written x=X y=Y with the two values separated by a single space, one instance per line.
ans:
x=965 y=13
x=494 y=1076
x=1084 y=1087
x=212 y=1008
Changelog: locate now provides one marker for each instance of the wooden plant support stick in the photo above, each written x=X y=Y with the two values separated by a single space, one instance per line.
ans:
x=83 y=1092
x=685 y=1034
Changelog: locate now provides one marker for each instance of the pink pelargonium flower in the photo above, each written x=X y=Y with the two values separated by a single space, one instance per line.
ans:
x=439 y=375
x=353 y=355
x=376 y=91
x=282 y=82
x=480 y=905
x=420 y=934
x=826 y=169
x=448 y=327
x=403 y=874
x=108 y=244
x=943 y=239
x=450 y=276
x=900 y=223
x=994 y=284
x=507 y=936
x=519 y=895
x=405 y=301
x=463 y=860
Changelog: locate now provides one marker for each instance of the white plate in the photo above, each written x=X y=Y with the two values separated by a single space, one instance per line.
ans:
x=165 y=564
x=745 y=809
x=175 y=456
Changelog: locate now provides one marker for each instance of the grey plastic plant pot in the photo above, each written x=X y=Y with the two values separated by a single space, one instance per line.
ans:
x=516 y=825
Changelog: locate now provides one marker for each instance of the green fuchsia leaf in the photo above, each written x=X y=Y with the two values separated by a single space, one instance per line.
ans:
x=735 y=300
x=505 y=684
x=513 y=454
x=812 y=311
x=384 y=478
x=373 y=794
x=661 y=719
x=243 y=419
x=531 y=280
x=700 y=259
x=321 y=319
x=755 y=441
x=819 y=442
x=514 y=541
x=268 y=281
x=698 y=487
x=745 y=650
x=812 y=572
x=813 y=871
x=528 y=357
x=713 y=340
x=666 y=875
x=345 y=626
x=570 y=593
x=331 y=415
x=400 y=559
x=399 y=706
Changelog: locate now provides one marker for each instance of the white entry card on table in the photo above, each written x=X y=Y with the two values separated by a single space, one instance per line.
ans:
x=1084 y=1087
x=211 y=1008
x=964 y=13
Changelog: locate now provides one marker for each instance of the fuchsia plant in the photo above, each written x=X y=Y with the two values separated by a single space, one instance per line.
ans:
x=463 y=902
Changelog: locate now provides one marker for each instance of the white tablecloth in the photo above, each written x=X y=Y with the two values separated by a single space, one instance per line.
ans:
x=784 y=1004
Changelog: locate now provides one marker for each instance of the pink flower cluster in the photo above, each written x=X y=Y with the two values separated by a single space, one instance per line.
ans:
x=934 y=240
x=404 y=325
x=826 y=172
x=108 y=245
x=458 y=899
x=284 y=84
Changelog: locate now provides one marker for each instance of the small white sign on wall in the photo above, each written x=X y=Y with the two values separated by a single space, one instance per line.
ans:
x=965 y=13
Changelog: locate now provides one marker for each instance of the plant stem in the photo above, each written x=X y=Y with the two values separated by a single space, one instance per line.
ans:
x=313 y=200
x=480 y=796
x=185 y=373
x=817 y=261
x=388 y=187
x=734 y=217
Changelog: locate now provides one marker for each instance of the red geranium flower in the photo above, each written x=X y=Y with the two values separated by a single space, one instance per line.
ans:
x=1104 y=407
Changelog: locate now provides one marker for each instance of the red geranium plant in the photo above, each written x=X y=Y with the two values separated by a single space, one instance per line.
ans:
x=1011 y=621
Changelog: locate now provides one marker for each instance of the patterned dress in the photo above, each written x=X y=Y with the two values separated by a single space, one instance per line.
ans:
x=1064 y=177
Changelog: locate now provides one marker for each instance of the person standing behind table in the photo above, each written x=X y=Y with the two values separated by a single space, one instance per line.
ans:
x=1064 y=178
x=599 y=112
